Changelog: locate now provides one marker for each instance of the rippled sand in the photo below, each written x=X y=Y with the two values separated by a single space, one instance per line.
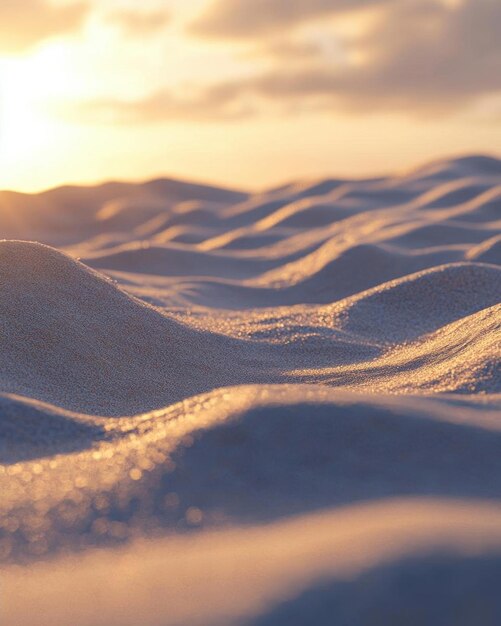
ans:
x=221 y=408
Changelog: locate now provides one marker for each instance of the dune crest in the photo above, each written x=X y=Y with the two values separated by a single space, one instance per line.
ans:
x=72 y=337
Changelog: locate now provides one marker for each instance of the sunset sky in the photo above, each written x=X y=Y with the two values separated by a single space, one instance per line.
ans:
x=243 y=92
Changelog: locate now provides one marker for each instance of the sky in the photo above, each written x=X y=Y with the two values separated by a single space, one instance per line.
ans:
x=244 y=93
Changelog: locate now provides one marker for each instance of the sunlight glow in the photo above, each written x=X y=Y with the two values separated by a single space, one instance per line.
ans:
x=26 y=83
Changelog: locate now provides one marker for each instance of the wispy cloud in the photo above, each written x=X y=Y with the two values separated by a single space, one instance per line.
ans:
x=218 y=103
x=26 y=23
x=251 y=18
x=139 y=23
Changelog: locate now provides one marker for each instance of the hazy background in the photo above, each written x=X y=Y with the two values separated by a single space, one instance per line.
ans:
x=243 y=92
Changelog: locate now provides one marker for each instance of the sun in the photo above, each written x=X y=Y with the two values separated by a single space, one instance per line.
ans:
x=22 y=128
x=27 y=85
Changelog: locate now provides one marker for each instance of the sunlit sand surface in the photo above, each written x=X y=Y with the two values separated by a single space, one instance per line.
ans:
x=221 y=408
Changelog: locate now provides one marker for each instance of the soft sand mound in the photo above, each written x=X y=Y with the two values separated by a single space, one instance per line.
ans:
x=448 y=583
x=71 y=337
x=425 y=561
x=241 y=359
x=423 y=302
x=246 y=454
x=29 y=427
x=461 y=357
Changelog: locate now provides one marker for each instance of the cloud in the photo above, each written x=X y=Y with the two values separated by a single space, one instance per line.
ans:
x=26 y=23
x=139 y=23
x=218 y=103
x=251 y=18
x=283 y=49
x=425 y=54
x=421 y=57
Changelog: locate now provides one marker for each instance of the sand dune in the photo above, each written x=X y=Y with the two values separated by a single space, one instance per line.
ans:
x=271 y=408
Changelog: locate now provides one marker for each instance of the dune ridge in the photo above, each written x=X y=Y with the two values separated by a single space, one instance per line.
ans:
x=186 y=370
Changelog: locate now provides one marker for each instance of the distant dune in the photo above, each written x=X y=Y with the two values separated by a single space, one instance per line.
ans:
x=280 y=408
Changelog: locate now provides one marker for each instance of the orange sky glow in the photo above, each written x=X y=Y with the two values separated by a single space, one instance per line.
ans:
x=244 y=93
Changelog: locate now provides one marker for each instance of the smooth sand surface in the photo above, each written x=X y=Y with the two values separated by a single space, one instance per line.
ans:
x=282 y=408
